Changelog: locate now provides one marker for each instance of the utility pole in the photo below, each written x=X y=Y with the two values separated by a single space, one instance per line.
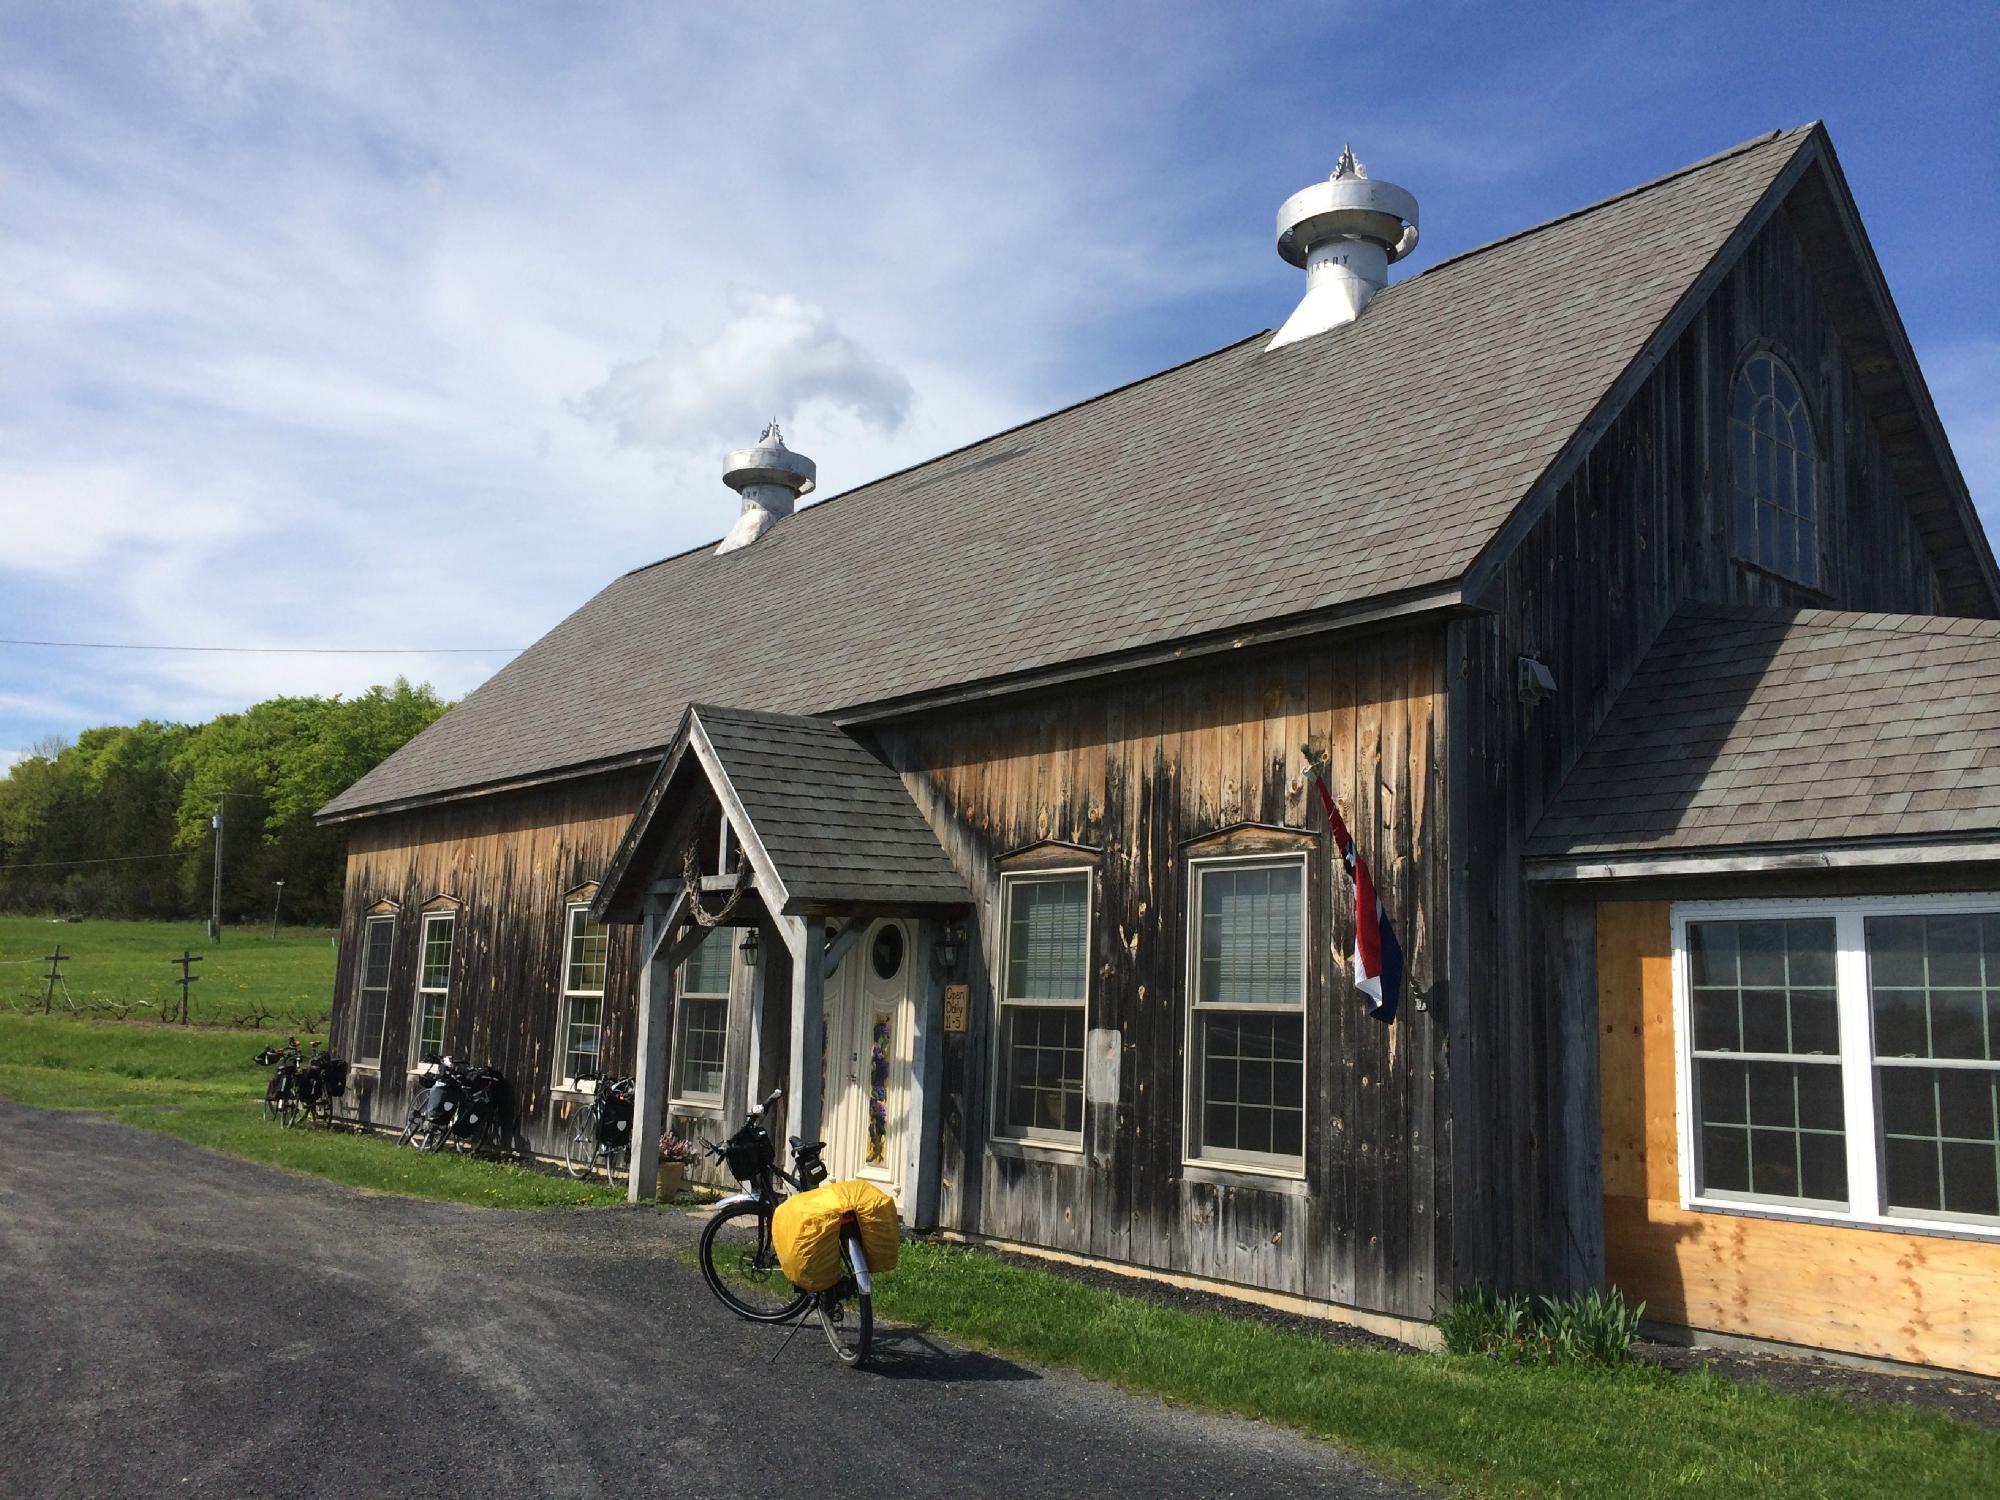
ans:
x=55 y=972
x=215 y=893
x=186 y=978
x=275 y=904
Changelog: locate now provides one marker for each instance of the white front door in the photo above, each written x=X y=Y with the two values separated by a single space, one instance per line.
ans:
x=869 y=1022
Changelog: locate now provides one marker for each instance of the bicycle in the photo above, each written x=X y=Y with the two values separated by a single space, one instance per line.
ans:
x=284 y=1100
x=601 y=1127
x=740 y=1263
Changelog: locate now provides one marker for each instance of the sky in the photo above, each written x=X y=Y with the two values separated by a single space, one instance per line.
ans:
x=411 y=326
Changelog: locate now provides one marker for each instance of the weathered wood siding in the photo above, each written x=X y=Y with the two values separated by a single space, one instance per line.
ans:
x=512 y=860
x=1136 y=766
x=1643 y=525
x=1923 y=1298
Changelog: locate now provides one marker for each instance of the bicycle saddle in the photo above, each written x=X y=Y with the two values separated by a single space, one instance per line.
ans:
x=799 y=1147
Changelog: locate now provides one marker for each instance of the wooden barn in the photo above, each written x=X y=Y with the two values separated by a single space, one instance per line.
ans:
x=1619 y=575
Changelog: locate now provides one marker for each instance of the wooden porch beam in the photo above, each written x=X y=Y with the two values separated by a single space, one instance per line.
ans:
x=806 y=938
x=840 y=941
x=656 y=995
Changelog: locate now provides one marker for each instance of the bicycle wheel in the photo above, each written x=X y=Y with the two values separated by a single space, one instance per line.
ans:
x=846 y=1313
x=433 y=1136
x=741 y=1267
x=617 y=1159
x=580 y=1150
x=409 y=1135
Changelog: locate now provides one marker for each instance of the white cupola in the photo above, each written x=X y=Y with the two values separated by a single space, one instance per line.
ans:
x=770 y=478
x=1346 y=231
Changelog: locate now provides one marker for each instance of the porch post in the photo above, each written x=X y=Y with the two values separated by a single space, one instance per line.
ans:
x=656 y=991
x=806 y=937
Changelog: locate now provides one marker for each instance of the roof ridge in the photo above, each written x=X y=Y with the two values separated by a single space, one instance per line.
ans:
x=1739 y=149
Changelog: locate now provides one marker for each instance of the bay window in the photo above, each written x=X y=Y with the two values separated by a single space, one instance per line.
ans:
x=1841 y=1058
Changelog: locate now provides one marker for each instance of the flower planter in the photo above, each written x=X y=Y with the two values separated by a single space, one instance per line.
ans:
x=672 y=1173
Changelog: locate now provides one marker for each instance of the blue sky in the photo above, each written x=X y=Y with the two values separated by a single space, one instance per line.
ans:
x=412 y=325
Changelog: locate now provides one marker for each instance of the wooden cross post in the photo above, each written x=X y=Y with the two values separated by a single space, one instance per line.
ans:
x=56 y=960
x=186 y=978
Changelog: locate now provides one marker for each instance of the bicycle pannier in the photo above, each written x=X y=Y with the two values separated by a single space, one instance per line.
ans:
x=805 y=1231
x=749 y=1152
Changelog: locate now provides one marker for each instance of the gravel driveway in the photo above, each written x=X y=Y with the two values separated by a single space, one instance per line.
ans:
x=174 y=1322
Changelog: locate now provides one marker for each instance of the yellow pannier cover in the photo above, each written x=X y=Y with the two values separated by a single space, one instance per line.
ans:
x=805 y=1231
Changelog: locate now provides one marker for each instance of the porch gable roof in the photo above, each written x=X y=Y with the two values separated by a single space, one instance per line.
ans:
x=828 y=827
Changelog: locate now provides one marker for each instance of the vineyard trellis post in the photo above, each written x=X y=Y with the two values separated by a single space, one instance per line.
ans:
x=56 y=961
x=186 y=978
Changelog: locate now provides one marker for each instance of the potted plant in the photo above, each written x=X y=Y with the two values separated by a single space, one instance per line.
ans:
x=675 y=1154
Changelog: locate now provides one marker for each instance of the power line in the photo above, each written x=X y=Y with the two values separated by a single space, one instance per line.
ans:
x=282 y=650
x=114 y=859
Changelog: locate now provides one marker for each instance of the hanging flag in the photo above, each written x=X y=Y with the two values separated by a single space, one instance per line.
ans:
x=1378 y=957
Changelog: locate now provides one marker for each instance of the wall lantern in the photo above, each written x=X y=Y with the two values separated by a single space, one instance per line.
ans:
x=951 y=940
x=748 y=947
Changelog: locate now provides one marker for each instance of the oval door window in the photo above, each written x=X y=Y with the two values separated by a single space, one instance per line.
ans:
x=888 y=952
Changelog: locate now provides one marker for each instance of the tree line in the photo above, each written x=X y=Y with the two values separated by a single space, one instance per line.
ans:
x=118 y=823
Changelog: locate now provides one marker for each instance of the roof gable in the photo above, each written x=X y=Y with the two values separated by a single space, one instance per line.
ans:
x=1375 y=461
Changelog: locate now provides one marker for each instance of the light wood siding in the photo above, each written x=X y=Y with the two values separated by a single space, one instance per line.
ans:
x=1642 y=526
x=1137 y=765
x=511 y=860
x=1923 y=1298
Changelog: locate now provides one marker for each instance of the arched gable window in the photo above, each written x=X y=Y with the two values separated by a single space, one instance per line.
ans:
x=1774 y=470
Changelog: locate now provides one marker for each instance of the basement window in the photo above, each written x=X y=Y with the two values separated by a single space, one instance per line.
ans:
x=702 y=1021
x=1044 y=1000
x=378 y=943
x=582 y=1033
x=1246 y=1045
x=1841 y=1059
x=433 y=987
x=1774 y=470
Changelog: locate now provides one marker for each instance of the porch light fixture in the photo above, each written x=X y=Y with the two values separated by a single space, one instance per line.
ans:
x=950 y=940
x=748 y=947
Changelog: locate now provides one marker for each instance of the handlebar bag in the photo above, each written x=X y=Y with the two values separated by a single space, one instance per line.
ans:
x=805 y=1231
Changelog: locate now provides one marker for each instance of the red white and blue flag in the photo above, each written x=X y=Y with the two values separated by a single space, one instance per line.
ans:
x=1378 y=957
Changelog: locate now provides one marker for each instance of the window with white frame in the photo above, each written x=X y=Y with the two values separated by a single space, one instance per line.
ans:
x=433 y=986
x=378 y=942
x=1247 y=1017
x=702 y=1022
x=1774 y=468
x=1842 y=1058
x=1044 y=1000
x=583 y=995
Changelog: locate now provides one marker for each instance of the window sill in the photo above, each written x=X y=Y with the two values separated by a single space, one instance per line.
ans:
x=1817 y=590
x=1049 y=1151
x=1247 y=1178
x=694 y=1106
x=1939 y=1229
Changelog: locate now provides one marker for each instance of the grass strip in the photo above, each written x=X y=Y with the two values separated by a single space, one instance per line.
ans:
x=201 y=1086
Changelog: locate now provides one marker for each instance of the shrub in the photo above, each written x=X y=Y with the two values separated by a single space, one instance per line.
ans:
x=1589 y=1328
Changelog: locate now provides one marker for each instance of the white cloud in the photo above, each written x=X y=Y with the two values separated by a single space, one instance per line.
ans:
x=776 y=355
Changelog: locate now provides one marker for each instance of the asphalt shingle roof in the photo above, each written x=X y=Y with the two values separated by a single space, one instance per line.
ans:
x=1242 y=488
x=835 y=819
x=1747 y=728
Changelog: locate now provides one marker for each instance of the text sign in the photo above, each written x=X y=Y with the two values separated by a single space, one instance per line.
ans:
x=957 y=1006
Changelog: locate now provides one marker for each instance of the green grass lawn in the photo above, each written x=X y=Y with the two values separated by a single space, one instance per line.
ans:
x=126 y=965
x=1468 y=1425
x=201 y=1085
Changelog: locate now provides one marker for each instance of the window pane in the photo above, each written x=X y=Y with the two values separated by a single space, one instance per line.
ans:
x=1252 y=1076
x=582 y=1034
x=437 y=952
x=1934 y=986
x=699 y=1051
x=1772 y=1128
x=1764 y=986
x=1048 y=937
x=588 y=943
x=1252 y=930
x=430 y=1028
x=706 y=971
x=375 y=962
x=1041 y=1069
x=1941 y=1138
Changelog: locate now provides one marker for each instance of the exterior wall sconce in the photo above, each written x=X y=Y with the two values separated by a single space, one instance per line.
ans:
x=1533 y=682
x=950 y=944
x=748 y=947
